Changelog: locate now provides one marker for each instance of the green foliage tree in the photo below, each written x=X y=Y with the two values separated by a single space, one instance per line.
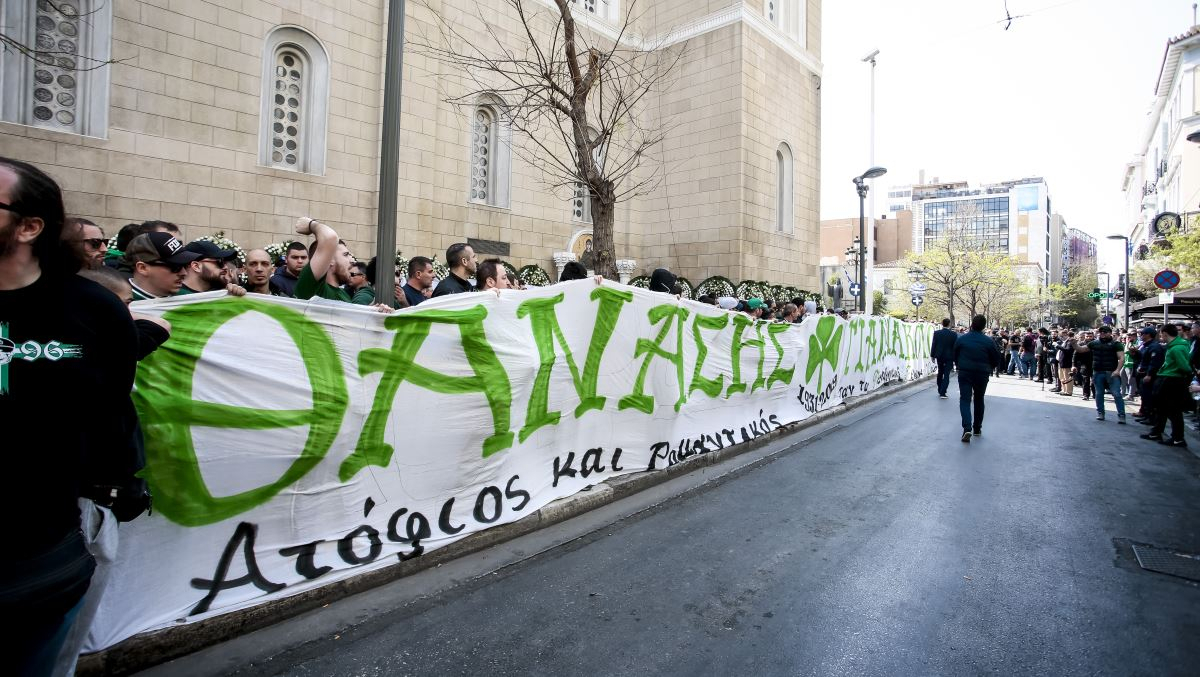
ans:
x=1071 y=300
x=966 y=277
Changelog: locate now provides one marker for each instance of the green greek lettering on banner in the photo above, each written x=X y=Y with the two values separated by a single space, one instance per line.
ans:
x=168 y=413
x=857 y=325
x=823 y=346
x=871 y=343
x=709 y=386
x=398 y=365
x=898 y=340
x=543 y=321
x=736 y=385
x=778 y=373
x=665 y=314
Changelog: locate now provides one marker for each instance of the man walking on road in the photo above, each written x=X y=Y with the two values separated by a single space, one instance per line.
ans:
x=942 y=350
x=975 y=356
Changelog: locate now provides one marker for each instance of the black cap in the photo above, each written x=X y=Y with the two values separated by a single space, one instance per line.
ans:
x=1149 y=330
x=209 y=250
x=151 y=247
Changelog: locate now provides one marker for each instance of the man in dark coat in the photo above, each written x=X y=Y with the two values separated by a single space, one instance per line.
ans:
x=976 y=356
x=942 y=351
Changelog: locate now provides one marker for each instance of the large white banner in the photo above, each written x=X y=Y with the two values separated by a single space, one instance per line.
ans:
x=292 y=444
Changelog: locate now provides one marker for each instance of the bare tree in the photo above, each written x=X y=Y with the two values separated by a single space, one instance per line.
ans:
x=56 y=55
x=576 y=100
x=961 y=268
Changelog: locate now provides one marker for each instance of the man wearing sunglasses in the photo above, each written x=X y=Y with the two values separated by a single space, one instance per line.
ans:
x=89 y=238
x=157 y=261
x=207 y=273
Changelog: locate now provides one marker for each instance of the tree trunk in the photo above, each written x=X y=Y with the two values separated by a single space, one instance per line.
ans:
x=603 y=247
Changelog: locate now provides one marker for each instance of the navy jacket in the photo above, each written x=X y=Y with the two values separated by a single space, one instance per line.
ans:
x=975 y=352
x=1152 y=358
x=943 y=344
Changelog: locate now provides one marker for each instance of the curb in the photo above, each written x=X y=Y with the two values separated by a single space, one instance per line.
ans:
x=152 y=648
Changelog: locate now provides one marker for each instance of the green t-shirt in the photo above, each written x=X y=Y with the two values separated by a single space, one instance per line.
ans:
x=308 y=286
x=364 y=296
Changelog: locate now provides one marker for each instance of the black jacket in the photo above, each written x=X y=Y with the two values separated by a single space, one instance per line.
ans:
x=453 y=284
x=975 y=352
x=943 y=344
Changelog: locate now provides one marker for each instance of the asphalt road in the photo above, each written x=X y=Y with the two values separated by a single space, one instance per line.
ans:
x=883 y=546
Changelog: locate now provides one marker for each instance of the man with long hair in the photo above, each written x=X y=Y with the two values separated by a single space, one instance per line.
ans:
x=67 y=358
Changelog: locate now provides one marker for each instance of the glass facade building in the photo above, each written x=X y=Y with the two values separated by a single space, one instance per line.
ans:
x=983 y=219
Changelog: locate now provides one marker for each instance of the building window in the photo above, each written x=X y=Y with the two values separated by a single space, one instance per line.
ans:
x=62 y=84
x=783 y=190
x=295 y=101
x=490 y=154
x=605 y=9
x=788 y=16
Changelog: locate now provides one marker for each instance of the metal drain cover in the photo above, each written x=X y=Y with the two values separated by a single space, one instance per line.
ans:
x=1167 y=562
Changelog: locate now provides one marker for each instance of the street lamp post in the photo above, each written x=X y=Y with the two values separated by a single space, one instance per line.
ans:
x=1125 y=291
x=1107 y=292
x=869 y=245
x=860 y=184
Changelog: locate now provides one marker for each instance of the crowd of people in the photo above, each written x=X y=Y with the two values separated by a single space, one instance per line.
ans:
x=70 y=341
x=1155 y=366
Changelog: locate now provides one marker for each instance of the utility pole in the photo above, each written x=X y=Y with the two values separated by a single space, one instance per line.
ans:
x=389 y=157
x=868 y=244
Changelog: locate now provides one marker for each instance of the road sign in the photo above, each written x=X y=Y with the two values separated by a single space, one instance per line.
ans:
x=855 y=289
x=918 y=289
x=1166 y=297
x=918 y=300
x=1166 y=279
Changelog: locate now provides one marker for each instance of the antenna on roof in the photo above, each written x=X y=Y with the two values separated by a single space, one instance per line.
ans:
x=1193 y=14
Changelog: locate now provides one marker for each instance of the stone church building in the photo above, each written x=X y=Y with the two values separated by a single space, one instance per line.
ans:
x=240 y=115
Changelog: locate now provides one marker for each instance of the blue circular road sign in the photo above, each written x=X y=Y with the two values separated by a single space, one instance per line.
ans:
x=1166 y=279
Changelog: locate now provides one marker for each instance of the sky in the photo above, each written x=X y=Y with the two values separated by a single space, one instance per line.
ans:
x=1063 y=94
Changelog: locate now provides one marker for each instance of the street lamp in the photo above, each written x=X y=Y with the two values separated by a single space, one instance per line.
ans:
x=1107 y=292
x=861 y=185
x=852 y=252
x=1125 y=291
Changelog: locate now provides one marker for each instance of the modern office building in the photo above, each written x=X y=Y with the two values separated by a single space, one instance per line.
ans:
x=1079 y=249
x=239 y=116
x=1012 y=217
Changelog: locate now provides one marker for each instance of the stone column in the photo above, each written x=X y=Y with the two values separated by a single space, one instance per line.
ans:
x=625 y=269
x=560 y=260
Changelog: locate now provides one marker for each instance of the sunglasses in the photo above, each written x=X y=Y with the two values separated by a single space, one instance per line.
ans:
x=9 y=208
x=93 y=242
x=356 y=274
x=173 y=267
